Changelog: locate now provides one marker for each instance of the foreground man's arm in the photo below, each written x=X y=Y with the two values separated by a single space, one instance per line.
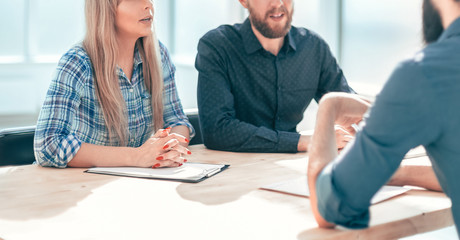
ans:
x=323 y=148
x=341 y=186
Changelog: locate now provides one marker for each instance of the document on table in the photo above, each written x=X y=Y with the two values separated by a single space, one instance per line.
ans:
x=416 y=152
x=299 y=187
x=189 y=172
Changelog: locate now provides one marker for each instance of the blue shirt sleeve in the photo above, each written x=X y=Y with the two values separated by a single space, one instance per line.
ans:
x=55 y=144
x=332 y=78
x=402 y=118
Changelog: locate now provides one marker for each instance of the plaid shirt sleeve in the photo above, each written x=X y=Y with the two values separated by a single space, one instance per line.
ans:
x=55 y=144
x=173 y=113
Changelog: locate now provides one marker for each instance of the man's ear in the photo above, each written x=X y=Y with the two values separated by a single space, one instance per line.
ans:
x=244 y=3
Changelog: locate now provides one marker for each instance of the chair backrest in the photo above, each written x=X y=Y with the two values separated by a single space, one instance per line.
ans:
x=17 y=146
x=195 y=121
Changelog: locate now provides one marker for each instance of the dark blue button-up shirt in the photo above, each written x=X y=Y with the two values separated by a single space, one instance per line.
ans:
x=251 y=100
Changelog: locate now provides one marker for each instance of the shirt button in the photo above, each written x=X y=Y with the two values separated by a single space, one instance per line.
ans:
x=131 y=90
x=133 y=116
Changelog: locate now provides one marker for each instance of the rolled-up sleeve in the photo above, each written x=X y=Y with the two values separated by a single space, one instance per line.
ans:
x=54 y=143
x=333 y=209
x=173 y=113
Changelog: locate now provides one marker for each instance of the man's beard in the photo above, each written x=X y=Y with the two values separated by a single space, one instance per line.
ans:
x=432 y=24
x=263 y=26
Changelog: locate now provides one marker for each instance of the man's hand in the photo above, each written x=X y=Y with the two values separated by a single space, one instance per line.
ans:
x=342 y=137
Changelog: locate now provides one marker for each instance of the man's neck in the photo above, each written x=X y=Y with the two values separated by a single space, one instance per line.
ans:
x=449 y=13
x=272 y=45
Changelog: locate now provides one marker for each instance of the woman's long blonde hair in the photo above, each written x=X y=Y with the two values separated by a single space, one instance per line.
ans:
x=101 y=45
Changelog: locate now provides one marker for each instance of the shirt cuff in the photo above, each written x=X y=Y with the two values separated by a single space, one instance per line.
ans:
x=288 y=142
x=333 y=208
x=183 y=123
x=59 y=154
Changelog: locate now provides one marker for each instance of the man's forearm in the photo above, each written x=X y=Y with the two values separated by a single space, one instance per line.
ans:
x=322 y=150
x=419 y=176
x=230 y=134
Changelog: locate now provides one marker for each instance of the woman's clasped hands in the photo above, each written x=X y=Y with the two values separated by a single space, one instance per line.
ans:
x=164 y=149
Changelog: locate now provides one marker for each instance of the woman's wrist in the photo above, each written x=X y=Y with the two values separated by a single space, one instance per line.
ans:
x=134 y=156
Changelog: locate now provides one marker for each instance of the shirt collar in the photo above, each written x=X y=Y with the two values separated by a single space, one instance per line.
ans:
x=137 y=57
x=452 y=30
x=252 y=44
x=250 y=41
x=289 y=38
x=137 y=61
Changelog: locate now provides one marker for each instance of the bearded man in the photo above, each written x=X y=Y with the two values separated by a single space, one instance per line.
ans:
x=257 y=78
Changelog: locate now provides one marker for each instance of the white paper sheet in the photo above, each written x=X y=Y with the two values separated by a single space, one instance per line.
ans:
x=299 y=187
x=416 y=152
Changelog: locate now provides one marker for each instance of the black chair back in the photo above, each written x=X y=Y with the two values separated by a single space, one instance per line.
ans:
x=17 y=146
x=195 y=121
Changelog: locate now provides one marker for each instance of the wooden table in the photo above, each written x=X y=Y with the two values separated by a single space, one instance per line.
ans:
x=47 y=203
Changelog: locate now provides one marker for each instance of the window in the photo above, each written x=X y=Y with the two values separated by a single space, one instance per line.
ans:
x=377 y=35
x=13 y=29
x=35 y=35
x=54 y=26
x=181 y=24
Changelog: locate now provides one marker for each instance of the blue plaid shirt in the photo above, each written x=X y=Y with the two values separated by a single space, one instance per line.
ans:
x=71 y=113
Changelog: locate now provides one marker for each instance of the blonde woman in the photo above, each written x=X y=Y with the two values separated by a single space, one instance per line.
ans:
x=113 y=102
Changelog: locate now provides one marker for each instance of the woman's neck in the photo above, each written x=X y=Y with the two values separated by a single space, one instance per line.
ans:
x=126 y=55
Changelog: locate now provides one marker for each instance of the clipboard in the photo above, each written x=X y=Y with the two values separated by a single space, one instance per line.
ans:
x=188 y=172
